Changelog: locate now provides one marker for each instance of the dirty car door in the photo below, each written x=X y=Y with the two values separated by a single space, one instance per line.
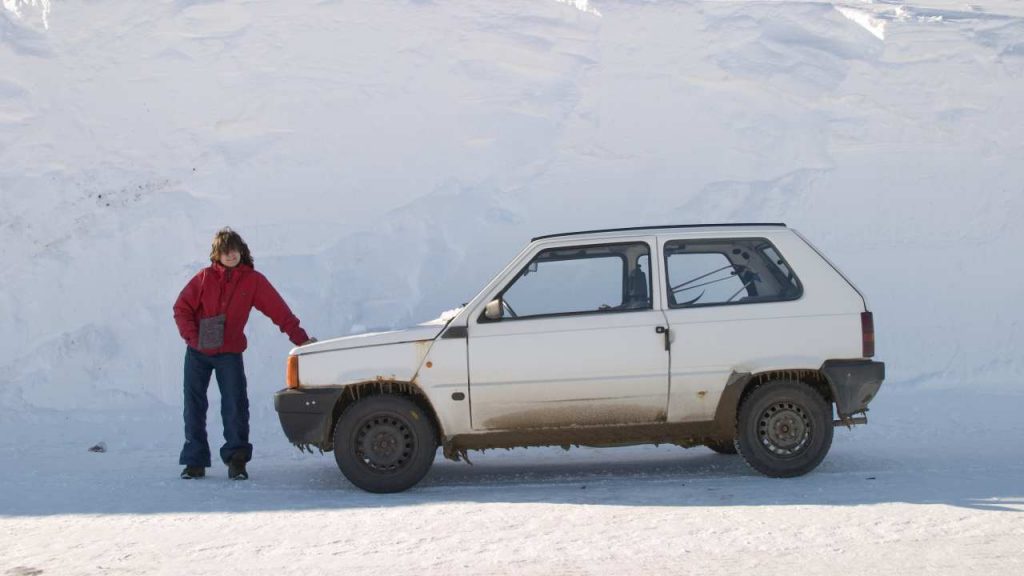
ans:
x=579 y=343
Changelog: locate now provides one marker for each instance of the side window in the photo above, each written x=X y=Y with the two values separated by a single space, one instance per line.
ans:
x=582 y=279
x=785 y=272
x=704 y=277
x=727 y=271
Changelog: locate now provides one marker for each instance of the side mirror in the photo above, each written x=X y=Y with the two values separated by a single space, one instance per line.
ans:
x=493 y=310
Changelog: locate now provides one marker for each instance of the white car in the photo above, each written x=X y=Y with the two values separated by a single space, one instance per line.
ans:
x=739 y=337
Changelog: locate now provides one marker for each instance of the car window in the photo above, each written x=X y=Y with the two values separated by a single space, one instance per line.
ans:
x=727 y=271
x=702 y=277
x=773 y=255
x=581 y=279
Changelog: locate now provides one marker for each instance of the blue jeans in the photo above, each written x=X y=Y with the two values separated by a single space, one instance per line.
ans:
x=234 y=407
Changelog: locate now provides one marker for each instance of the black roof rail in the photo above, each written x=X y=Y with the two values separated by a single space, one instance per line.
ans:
x=779 y=224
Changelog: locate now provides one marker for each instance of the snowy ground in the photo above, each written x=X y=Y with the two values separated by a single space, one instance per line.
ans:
x=933 y=485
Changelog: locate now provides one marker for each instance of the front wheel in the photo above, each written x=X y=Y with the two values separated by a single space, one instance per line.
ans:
x=384 y=444
x=784 y=429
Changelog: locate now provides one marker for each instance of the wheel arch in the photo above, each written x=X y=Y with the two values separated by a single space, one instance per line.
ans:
x=352 y=393
x=741 y=385
x=811 y=377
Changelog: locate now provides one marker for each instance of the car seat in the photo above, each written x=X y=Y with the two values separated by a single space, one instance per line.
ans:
x=636 y=293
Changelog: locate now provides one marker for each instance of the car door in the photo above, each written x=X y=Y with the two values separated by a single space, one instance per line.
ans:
x=578 y=343
x=730 y=302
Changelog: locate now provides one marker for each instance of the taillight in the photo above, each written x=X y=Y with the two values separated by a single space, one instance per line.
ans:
x=867 y=330
x=292 y=372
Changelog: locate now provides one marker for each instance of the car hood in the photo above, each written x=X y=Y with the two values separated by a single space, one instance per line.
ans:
x=426 y=331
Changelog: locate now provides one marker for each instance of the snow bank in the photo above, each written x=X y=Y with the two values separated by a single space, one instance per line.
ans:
x=384 y=159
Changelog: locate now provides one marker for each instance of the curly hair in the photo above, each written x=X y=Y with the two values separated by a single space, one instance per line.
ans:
x=227 y=240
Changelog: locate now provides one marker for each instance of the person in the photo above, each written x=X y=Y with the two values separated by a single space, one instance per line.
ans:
x=211 y=312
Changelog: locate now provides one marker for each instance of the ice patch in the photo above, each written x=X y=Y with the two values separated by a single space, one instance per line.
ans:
x=864 y=20
x=581 y=5
x=42 y=7
x=903 y=14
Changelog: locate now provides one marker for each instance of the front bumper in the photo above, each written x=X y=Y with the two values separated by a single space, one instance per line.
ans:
x=854 y=384
x=307 y=415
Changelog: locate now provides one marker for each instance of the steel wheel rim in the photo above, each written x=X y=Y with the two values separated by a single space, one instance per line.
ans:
x=784 y=429
x=384 y=443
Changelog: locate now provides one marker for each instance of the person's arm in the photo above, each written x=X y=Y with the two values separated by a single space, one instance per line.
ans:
x=185 y=311
x=270 y=303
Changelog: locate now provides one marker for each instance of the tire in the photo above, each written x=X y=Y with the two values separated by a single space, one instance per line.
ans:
x=384 y=444
x=725 y=447
x=784 y=429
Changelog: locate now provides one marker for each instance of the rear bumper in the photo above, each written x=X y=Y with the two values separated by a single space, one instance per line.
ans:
x=854 y=384
x=307 y=415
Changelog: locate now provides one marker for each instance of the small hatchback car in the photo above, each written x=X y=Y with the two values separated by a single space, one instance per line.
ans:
x=738 y=337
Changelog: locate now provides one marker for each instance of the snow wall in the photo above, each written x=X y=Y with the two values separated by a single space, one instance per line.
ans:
x=384 y=159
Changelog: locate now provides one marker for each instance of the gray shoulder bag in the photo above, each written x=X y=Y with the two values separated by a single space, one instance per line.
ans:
x=211 y=332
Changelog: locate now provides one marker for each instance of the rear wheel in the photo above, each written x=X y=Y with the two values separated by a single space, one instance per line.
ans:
x=784 y=429
x=384 y=443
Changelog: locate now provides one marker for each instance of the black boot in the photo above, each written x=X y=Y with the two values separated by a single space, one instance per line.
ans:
x=193 y=472
x=236 y=468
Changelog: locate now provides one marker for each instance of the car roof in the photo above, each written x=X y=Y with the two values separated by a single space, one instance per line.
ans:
x=666 y=229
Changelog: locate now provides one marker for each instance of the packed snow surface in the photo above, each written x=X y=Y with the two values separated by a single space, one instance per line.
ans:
x=931 y=486
x=384 y=159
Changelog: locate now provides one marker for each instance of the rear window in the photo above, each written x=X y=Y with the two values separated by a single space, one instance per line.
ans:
x=727 y=271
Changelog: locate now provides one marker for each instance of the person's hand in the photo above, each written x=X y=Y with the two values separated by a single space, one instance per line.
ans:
x=310 y=341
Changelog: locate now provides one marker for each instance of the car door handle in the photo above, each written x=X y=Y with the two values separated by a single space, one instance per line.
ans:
x=664 y=330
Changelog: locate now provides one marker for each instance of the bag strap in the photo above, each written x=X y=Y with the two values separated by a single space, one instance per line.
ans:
x=202 y=289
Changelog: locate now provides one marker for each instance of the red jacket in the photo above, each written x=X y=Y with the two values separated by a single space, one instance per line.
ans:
x=233 y=292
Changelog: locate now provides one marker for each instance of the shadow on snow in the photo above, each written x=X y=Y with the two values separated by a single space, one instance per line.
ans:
x=662 y=477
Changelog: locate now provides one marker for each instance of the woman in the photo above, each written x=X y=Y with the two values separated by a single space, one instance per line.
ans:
x=211 y=313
